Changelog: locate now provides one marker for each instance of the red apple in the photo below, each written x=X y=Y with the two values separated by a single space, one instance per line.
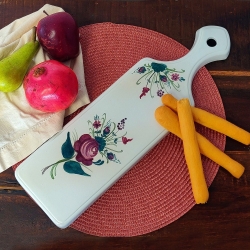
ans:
x=50 y=86
x=58 y=34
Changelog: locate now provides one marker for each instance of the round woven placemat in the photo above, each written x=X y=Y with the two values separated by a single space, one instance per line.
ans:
x=157 y=190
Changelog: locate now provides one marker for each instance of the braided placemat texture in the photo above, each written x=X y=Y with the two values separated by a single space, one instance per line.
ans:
x=157 y=190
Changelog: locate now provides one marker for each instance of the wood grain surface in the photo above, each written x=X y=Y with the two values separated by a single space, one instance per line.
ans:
x=224 y=222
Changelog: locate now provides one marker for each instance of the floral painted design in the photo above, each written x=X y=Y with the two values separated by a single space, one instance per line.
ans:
x=158 y=78
x=99 y=145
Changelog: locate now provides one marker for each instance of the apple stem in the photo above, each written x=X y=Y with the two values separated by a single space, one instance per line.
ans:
x=45 y=13
x=34 y=33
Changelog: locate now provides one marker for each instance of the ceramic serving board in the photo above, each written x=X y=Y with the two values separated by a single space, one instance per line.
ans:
x=96 y=148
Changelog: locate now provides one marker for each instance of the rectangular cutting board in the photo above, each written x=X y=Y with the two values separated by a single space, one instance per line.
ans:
x=75 y=167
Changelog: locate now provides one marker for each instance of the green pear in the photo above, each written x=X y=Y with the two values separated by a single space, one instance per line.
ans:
x=14 y=67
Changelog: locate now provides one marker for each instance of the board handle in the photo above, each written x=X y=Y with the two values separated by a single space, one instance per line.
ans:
x=212 y=43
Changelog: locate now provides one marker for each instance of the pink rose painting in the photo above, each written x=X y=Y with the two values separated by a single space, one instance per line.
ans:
x=98 y=146
x=86 y=148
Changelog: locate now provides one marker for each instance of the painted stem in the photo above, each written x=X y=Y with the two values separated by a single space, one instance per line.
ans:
x=60 y=161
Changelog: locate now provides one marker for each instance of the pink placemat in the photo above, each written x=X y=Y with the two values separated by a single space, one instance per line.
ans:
x=157 y=190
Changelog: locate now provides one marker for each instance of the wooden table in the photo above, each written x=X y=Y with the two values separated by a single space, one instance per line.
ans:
x=224 y=222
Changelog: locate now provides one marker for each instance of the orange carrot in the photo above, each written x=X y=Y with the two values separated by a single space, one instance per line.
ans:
x=221 y=125
x=169 y=101
x=192 y=151
x=212 y=121
x=169 y=120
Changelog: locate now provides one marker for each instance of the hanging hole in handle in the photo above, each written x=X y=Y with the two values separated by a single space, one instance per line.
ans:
x=211 y=42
